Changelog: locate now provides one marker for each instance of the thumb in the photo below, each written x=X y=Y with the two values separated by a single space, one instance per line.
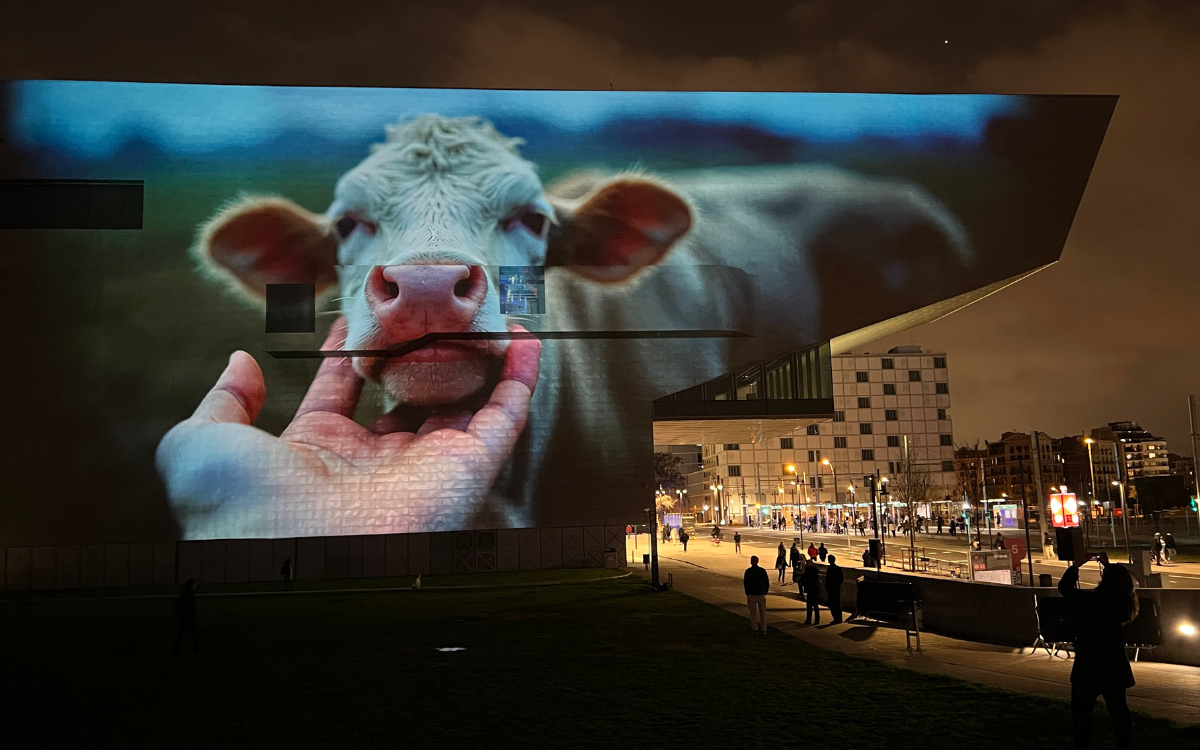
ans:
x=238 y=395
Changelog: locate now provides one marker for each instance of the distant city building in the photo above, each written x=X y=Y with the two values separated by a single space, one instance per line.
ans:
x=1142 y=454
x=1009 y=469
x=1183 y=466
x=880 y=400
x=1080 y=464
x=689 y=457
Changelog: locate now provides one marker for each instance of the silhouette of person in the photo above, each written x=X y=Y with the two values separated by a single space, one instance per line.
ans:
x=185 y=611
x=1101 y=664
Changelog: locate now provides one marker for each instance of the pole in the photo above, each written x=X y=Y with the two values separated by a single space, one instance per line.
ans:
x=912 y=512
x=653 y=546
x=975 y=510
x=1195 y=439
x=875 y=503
x=1038 y=487
x=1124 y=505
x=1092 y=499
x=1025 y=510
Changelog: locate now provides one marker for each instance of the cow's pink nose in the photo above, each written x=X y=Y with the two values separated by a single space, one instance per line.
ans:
x=410 y=301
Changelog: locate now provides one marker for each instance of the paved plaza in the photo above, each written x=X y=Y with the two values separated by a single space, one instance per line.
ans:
x=713 y=574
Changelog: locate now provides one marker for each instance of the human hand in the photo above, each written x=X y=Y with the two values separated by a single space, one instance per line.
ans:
x=326 y=474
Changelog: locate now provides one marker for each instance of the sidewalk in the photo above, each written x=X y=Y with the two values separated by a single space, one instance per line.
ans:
x=713 y=575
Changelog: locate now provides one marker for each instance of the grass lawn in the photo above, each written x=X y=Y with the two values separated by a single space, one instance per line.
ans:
x=593 y=664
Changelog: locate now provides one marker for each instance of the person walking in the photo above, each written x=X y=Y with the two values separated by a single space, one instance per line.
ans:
x=666 y=534
x=737 y=542
x=683 y=538
x=794 y=556
x=833 y=589
x=781 y=561
x=812 y=551
x=1170 y=549
x=953 y=527
x=185 y=612
x=1101 y=664
x=286 y=572
x=1156 y=550
x=939 y=522
x=810 y=584
x=822 y=552
x=756 y=583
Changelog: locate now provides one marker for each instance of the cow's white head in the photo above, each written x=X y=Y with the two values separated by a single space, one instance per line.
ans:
x=415 y=236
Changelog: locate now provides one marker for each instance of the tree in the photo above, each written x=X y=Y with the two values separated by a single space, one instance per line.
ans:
x=912 y=485
x=666 y=472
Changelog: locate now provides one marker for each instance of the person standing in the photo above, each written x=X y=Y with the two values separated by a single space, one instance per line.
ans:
x=833 y=589
x=781 y=561
x=810 y=584
x=939 y=521
x=683 y=538
x=822 y=552
x=185 y=612
x=286 y=573
x=756 y=583
x=1101 y=664
x=1170 y=548
x=737 y=542
x=953 y=527
x=794 y=556
x=812 y=551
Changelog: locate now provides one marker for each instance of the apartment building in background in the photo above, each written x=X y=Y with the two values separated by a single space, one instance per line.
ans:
x=882 y=402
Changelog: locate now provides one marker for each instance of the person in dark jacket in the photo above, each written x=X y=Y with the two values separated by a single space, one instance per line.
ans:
x=185 y=611
x=757 y=583
x=1101 y=664
x=683 y=538
x=781 y=561
x=794 y=556
x=737 y=542
x=810 y=584
x=822 y=552
x=833 y=589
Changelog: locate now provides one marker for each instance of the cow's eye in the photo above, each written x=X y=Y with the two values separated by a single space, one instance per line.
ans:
x=534 y=222
x=346 y=225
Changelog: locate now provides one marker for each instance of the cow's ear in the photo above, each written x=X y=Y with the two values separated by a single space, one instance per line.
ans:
x=617 y=229
x=257 y=241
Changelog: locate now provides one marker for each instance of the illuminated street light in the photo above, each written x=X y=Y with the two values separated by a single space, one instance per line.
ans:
x=1187 y=629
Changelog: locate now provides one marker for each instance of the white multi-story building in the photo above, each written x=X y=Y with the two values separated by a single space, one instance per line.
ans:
x=880 y=401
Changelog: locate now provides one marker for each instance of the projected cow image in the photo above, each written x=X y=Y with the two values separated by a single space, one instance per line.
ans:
x=274 y=312
x=412 y=244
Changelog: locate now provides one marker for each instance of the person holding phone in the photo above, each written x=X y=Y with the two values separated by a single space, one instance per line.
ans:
x=1101 y=664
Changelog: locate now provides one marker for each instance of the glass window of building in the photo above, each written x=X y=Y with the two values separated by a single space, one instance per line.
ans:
x=914 y=376
x=785 y=443
x=812 y=456
x=733 y=446
x=943 y=387
x=939 y=363
x=864 y=402
x=947 y=465
x=839 y=442
x=887 y=363
x=838 y=416
x=868 y=454
x=864 y=428
x=779 y=379
x=889 y=389
x=735 y=470
x=861 y=377
x=893 y=441
x=720 y=389
x=945 y=440
x=890 y=415
x=748 y=383
x=942 y=414
x=813 y=429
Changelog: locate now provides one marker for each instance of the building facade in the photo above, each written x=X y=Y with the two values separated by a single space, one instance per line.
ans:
x=1009 y=470
x=1142 y=454
x=1084 y=457
x=884 y=404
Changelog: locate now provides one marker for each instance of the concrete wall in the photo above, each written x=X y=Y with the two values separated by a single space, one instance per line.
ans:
x=995 y=613
x=243 y=560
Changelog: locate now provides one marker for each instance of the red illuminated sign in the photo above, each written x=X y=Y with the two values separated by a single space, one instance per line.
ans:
x=1064 y=510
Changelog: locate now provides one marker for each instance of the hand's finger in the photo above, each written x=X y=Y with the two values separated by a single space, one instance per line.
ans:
x=499 y=423
x=336 y=388
x=459 y=421
x=238 y=395
x=522 y=360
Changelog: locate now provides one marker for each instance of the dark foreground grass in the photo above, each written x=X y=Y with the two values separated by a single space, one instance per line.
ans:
x=592 y=664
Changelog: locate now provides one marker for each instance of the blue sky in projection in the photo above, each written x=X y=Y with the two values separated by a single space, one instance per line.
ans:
x=93 y=119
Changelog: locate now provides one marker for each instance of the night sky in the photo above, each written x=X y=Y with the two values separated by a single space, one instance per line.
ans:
x=1107 y=334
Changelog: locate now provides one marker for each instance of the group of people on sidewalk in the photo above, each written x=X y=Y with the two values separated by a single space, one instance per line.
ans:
x=806 y=575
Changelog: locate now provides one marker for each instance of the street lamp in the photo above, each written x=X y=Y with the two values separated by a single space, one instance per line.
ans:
x=1092 y=469
x=834 y=470
x=854 y=510
x=1125 y=519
